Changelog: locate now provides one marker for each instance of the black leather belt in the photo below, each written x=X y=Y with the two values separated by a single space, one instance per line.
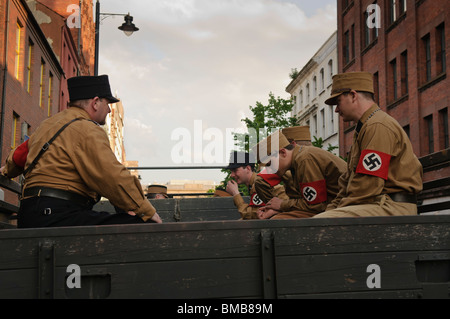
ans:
x=403 y=197
x=59 y=194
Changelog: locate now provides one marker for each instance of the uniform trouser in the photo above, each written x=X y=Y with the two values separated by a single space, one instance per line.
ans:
x=44 y=211
x=383 y=206
x=293 y=215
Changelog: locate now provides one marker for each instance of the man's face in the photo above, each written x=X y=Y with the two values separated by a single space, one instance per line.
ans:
x=241 y=175
x=279 y=163
x=345 y=106
x=103 y=110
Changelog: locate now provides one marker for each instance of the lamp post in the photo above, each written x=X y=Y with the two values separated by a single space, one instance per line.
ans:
x=127 y=27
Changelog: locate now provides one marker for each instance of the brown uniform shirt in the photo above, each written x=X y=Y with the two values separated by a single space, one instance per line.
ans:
x=381 y=161
x=248 y=211
x=268 y=188
x=80 y=160
x=315 y=175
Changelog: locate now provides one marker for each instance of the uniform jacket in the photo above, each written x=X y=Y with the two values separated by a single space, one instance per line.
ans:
x=315 y=176
x=80 y=160
x=381 y=161
x=248 y=211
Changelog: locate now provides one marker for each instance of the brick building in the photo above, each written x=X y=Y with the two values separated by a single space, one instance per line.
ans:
x=69 y=28
x=30 y=75
x=29 y=78
x=405 y=45
x=309 y=90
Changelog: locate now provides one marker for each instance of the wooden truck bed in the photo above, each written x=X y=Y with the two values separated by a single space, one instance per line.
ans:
x=378 y=257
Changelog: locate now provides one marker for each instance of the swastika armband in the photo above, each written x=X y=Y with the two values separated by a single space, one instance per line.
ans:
x=374 y=163
x=20 y=154
x=256 y=201
x=272 y=179
x=315 y=192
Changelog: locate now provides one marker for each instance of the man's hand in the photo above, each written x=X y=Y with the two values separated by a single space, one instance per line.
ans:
x=232 y=188
x=157 y=219
x=274 y=203
x=265 y=213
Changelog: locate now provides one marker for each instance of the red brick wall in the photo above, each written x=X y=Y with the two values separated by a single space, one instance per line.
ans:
x=17 y=99
x=423 y=98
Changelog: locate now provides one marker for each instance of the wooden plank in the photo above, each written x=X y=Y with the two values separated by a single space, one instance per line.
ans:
x=346 y=272
x=212 y=278
x=210 y=259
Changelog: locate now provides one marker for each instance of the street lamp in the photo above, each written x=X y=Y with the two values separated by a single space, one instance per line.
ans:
x=127 y=27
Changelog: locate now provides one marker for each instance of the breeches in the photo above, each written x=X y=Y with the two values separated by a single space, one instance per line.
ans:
x=385 y=206
x=44 y=211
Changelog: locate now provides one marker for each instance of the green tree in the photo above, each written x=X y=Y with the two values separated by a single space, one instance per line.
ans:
x=275 y=115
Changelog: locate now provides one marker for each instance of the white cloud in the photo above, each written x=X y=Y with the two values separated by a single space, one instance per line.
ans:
x=203 y=60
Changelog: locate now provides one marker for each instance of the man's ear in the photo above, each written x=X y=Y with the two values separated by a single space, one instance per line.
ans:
x=283 y=152
x=94 y=103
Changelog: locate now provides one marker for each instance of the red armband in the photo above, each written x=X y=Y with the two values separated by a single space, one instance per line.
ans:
x=315 y=192
x=272 y=179
x=374 y=163
x=256 y=201
x=20 y=154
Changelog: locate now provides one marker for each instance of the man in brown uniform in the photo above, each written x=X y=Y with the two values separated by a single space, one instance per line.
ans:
x=269 y=186
x=242 y=166
x=77 y=167
x=157 y=192
x=383 y=174
x=315 y=174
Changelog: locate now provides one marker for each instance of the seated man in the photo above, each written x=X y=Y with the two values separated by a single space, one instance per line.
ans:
x=68 y=164
x=268 y=185
x=315 y=174
x=242 y=166
x=157 y=192
x=383 y=175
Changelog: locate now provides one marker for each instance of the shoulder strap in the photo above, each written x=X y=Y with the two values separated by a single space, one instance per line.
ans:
x=47 y=145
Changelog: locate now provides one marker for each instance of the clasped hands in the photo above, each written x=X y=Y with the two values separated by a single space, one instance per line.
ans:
x=272 y=208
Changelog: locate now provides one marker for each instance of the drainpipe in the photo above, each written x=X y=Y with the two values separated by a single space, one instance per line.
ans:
x=5 y=73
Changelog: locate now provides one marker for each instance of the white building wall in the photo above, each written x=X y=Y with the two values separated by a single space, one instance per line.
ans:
x=311 y=88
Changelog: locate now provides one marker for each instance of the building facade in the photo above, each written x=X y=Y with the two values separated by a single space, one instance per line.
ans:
x=70 y=31
x=309 y=90
x=405 y=45
x=30 y=76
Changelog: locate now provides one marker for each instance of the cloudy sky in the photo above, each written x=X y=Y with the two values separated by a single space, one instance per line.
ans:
x=190 y=74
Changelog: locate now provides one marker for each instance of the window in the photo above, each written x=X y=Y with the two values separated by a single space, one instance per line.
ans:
x=346 y=47
x=41 y=84
x=18 y=52
x=392 y=11
x=301 y=98
x=330 y=71
x=404 y=72
x=406 y=129
x=331 y=110
x=29 y=64
x=376 y=87
x=315 y=86
x=393 y=66
x=15 y=122
x=353 y=42
x=443 y=132
x=25 y=132
x=402 y=7
x=440 y=49
x=322 y=80
x=370 y=30
x=427 y=55
x=322 y=115
x=307 y=94
x=429 y=121
x=50 y=97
